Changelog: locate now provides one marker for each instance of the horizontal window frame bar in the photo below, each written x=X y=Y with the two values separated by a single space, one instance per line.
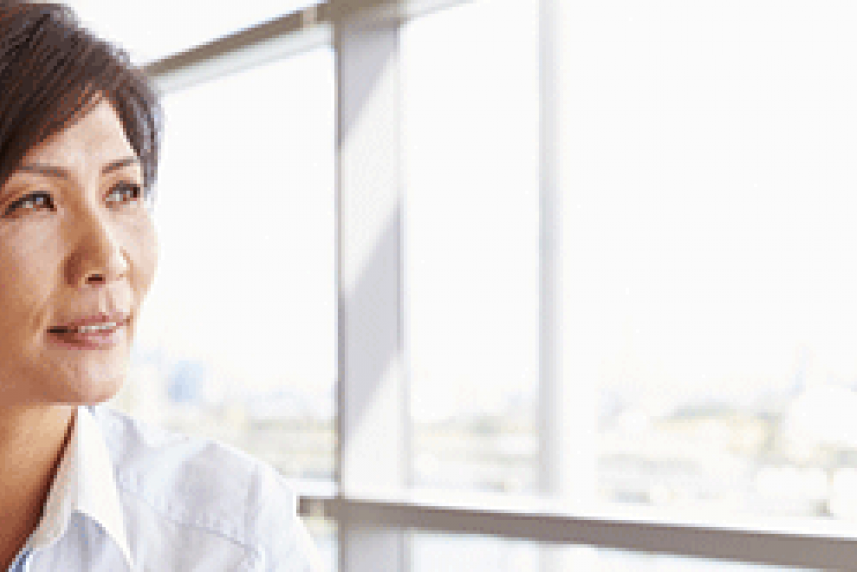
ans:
x=237 y=41
x=237 y=53
x=290 y=34
x=834 y=546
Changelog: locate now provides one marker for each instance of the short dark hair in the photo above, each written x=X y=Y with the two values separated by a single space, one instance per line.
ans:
x=53 y=70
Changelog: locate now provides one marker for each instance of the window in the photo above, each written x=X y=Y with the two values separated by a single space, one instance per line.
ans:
x=238 y=339
x=712 y=190
x=704 y=184
x=470 y=122
x=466 y=553
x=323 y=533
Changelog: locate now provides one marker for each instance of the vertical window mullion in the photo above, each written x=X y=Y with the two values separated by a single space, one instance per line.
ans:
x=373 y=418
x=567 y=394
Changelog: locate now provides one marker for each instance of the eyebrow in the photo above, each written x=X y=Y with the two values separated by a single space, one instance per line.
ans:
x=62 y=173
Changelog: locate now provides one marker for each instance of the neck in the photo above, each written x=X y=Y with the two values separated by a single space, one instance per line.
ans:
x=32 y=441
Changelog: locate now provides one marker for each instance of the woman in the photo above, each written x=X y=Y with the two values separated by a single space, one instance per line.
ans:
x=84 y=488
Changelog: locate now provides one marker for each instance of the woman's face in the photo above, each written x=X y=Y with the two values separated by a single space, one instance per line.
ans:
x=77 y=256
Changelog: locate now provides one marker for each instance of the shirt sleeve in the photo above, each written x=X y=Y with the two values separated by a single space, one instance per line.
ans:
x=284 y=545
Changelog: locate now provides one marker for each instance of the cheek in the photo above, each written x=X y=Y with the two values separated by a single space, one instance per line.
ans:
x=30 y=267
x=28 y=258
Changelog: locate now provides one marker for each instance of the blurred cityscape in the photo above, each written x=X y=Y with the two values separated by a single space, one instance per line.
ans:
x=792 y=452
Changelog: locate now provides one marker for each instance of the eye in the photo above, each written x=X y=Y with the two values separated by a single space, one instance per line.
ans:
x=124 y=193
x=33 y=202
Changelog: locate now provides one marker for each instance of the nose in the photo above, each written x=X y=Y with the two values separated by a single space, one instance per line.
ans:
x=97 y=257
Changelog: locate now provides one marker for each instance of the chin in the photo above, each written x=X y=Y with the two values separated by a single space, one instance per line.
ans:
x=84 y=395
x=88 y=389
x=94 y=398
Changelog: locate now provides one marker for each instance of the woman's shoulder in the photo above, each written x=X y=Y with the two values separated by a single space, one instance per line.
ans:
x=153 y=461
x=206 y=485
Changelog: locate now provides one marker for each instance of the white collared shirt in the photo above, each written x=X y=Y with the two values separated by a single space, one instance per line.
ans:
x=128 y=497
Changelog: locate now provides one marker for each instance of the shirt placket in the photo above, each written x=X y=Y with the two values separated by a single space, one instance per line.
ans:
x=22 y=562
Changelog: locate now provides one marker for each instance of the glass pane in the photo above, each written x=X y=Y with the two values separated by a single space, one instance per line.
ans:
x=713 y=201
x=154 y=29
x=238 y=337
x=476 y=553
x=324 y=535
x=471 y=553
x=471 y=242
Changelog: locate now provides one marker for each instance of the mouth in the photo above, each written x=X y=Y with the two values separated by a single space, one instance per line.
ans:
x=97 y=332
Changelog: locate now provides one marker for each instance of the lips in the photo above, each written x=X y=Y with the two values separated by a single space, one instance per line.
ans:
x=98 y=322
x=99 y=331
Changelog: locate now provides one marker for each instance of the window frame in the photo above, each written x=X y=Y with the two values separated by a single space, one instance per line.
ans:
x=374 y=509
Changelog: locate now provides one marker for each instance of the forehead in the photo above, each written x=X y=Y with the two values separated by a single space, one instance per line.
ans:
x=94 y=139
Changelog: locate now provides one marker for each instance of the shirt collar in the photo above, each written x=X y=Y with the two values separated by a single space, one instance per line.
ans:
x=85 y=484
